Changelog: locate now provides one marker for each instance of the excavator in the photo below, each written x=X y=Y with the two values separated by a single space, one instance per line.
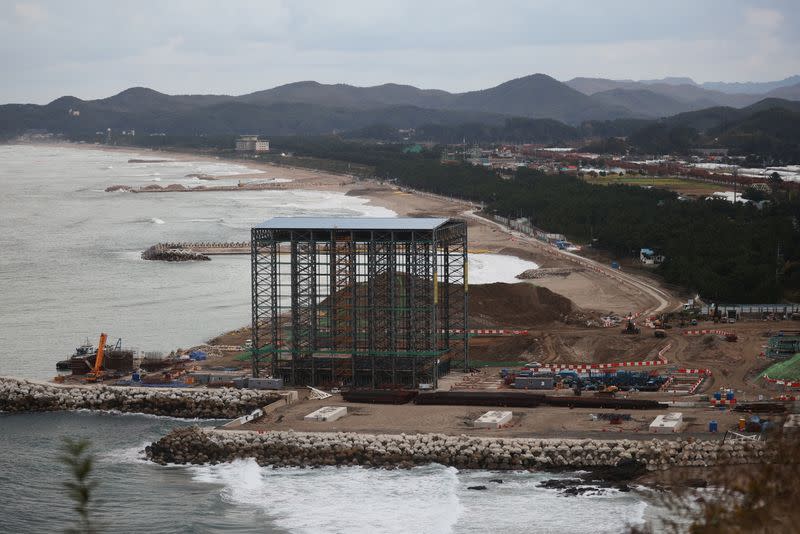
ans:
x=97 y=372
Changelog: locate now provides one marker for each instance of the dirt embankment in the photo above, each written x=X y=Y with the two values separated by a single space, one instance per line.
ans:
x=520 y=305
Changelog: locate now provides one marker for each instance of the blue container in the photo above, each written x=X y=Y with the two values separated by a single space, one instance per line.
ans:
x=712 y=426
x=717 y=395
x=729 y=394
x=136 y=377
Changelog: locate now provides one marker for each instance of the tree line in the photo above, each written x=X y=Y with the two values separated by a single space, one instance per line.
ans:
x=727 y=252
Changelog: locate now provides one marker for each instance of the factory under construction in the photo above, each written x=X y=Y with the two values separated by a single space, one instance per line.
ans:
x=359 y=302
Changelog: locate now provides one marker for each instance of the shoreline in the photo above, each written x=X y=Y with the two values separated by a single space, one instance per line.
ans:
x=620 y=296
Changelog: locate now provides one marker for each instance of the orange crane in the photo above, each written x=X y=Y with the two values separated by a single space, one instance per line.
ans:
x=97 y=371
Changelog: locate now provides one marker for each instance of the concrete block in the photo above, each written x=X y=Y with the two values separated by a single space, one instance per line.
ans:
x=792 y=424
x=493 y=419
x=665 y=424
x=327 y=413
x=264 y=383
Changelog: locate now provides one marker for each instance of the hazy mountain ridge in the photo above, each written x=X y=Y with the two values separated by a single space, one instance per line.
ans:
x=693 y=95
x=311 y=107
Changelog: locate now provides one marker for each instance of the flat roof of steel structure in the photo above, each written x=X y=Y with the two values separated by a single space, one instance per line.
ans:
x=353 y=223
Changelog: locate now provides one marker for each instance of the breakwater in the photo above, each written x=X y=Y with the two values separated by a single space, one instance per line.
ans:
x=163 y=252
x=18 y=395
x=194 y=251
x=196 y=445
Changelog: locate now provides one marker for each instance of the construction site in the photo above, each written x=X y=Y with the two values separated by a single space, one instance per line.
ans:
x=375 y=326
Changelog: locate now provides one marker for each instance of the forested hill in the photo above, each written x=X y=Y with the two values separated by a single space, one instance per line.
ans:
x=770 y=128
x=310 y=108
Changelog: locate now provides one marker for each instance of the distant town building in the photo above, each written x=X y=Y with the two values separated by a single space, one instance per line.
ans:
x=709 y=151
x=251 y=143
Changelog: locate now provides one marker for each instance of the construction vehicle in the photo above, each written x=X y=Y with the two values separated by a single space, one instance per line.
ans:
x=97 y=372
x=608 y=391
x=631 y=328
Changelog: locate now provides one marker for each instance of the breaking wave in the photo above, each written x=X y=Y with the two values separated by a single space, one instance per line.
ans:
x=429 y=498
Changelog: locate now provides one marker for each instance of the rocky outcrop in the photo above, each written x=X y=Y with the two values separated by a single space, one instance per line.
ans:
x=195 y=445
x=224 y=403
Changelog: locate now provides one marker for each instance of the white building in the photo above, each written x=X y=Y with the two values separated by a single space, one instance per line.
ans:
x=251 y=143
x=649 y=257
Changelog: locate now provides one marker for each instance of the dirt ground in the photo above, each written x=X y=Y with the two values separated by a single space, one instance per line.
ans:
x=544 y=422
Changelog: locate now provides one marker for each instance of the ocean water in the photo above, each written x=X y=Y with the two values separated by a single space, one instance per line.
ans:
x=70 y=262
x=70 y=268
x=136 y=496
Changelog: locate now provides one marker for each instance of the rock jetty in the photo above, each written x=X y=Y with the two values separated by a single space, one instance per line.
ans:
x=194 y=445
x=162 y=252
x=224 y=403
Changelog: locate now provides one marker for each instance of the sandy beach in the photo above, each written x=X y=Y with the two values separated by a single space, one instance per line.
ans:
x=593 y=289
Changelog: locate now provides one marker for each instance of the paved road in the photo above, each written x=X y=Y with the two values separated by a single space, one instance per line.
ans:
x=663 y=301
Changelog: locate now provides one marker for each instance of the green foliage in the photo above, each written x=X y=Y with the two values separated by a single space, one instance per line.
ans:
x=754 y=194
x=725 y=252
x=609 y=145
x=77 y=458
x=665 y=139
x=767 y=131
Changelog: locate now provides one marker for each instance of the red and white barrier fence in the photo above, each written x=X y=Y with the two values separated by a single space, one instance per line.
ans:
x=704 y=332
x=780 y=382
x=613 y=365
x=490 y=332
x=599 y=366
x=706 y=372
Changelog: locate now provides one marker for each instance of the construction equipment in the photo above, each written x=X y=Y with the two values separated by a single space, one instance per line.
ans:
x=660 y=332
x=631 y=328
x=97 y=372
x=608 y=391
x=317 y=394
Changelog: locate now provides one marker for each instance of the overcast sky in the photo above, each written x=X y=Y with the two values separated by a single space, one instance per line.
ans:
x=93 y=49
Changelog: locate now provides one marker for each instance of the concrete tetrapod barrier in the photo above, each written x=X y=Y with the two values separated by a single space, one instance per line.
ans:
x=195 y=445
x=18 y=395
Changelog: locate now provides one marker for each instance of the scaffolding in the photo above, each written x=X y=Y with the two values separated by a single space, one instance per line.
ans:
x=359 y=302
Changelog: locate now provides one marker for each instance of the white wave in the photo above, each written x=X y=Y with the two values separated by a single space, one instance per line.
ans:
x=351 y=499
x=430 y=498
x=490 y=268
x=126 y=455
x=148 y=416
x=156 y=220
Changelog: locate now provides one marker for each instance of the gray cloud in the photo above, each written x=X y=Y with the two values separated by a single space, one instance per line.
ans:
x=93 y=49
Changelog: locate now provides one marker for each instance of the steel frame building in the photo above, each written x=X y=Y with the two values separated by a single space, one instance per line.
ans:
x=359 y=302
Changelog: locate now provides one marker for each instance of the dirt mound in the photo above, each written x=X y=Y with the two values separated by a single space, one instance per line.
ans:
x=598 y=346
x=519 y=305
x=501 y=349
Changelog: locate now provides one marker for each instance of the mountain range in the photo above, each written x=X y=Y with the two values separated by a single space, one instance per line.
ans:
x=310 y=107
